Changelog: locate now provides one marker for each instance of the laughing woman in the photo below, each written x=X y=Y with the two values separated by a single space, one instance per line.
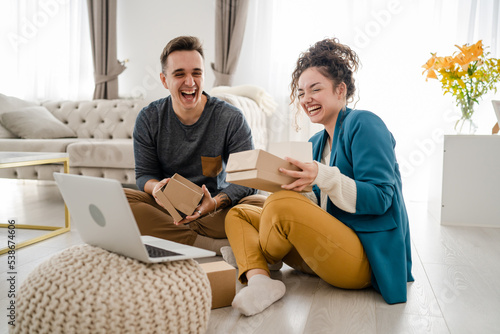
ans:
x=352 y=231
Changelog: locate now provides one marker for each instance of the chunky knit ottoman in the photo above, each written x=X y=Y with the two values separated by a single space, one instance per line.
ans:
x=86 y=289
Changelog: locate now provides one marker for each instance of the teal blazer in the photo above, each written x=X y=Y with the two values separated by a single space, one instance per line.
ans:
x=363 y=149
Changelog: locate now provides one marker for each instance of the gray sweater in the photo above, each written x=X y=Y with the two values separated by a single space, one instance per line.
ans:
x=164 y=146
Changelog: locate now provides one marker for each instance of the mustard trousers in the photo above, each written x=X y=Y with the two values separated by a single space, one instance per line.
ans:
x=292 y=228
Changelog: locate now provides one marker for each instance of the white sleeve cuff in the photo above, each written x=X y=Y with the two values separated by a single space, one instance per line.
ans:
x=340 y=189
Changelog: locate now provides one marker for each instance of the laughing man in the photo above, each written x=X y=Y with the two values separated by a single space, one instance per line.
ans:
x=190 y=133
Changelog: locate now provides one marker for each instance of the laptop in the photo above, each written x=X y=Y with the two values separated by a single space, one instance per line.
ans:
x=102 y=215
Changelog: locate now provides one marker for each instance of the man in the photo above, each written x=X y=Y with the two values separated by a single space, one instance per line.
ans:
x=190 y=133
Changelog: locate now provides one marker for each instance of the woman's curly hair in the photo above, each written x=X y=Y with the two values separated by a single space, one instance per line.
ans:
x=334 y=60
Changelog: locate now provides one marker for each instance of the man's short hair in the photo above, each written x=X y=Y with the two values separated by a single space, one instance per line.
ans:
x=181 y=43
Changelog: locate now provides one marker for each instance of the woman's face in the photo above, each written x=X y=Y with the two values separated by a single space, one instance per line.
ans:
x=317 y=97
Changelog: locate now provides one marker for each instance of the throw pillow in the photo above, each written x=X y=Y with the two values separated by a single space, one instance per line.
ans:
x=10 y=103
x=35 y=123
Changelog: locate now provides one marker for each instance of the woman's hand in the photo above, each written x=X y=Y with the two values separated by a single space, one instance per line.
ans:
x=206 y=206
x=305 y=177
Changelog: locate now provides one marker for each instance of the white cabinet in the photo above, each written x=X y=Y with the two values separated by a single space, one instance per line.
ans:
x=471 y=181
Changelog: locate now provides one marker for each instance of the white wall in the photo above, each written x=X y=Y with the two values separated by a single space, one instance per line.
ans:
x=143 y=30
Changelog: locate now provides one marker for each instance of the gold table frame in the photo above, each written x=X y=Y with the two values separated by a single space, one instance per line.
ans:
x=32 y=159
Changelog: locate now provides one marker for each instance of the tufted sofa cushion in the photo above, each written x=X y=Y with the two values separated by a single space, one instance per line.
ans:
x=99 y=119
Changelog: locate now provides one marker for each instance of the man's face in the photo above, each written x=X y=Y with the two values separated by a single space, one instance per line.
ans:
x=184 y=75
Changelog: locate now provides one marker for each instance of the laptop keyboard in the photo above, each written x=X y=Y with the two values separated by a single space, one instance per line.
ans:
x=159 y=252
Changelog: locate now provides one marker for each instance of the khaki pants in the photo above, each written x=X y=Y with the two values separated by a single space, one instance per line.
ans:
x=292 y=228
x=154 y=220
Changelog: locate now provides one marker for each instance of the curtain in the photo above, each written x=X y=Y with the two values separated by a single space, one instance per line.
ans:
x=393 y=40
x=230 y=21
x=102 y=22
x=45 y=50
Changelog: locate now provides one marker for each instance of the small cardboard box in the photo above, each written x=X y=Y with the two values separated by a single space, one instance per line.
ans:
x=180 y=197
x=298 y=150
x=222 y=277
x=259 y=169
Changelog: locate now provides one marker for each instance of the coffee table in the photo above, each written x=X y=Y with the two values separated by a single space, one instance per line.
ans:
x=18 y=159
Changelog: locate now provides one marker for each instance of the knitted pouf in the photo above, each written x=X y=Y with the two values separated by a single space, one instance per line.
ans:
x=86 y=289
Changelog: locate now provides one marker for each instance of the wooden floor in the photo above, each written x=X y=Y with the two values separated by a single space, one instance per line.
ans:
x=455 y=270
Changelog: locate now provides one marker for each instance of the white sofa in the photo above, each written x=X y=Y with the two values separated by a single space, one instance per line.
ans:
x=99 y=143
x=96 y=134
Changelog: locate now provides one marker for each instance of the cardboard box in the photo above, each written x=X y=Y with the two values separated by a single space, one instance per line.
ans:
x=180 y=197
x=222 y=277
x=298 y=150
x=260 y=169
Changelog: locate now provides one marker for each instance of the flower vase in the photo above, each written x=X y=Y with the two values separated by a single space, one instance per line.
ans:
x=465 y=125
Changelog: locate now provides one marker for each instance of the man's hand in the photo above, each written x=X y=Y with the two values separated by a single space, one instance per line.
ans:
x=304 y=177
x=206 y=206
x=157 y=186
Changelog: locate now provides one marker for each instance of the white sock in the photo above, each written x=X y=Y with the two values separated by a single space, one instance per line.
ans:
x=261 y=292
x=228 y=256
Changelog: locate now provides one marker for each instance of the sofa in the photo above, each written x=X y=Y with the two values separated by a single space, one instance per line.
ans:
x=97 y=134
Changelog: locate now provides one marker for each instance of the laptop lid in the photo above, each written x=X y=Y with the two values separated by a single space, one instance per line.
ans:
x=102 y=215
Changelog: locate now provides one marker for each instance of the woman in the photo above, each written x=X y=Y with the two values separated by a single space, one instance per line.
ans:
x=352 y=230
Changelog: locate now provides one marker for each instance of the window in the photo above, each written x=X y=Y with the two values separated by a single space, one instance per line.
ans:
x=46 y=51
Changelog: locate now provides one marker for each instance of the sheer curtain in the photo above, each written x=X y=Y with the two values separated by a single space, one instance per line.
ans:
x=393 y=40
x=45 y=50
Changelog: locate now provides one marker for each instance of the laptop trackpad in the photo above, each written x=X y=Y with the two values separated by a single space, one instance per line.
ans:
x=159 y=252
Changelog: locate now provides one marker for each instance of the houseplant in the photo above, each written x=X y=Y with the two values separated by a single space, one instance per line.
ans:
x=467 y=75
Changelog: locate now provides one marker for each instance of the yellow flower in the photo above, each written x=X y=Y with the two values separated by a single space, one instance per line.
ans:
x=472 y=52
x=445 y=62
x=430 y=67
x=462 y=61
x=431 y=74
x=468 y=54
x=466 y=75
